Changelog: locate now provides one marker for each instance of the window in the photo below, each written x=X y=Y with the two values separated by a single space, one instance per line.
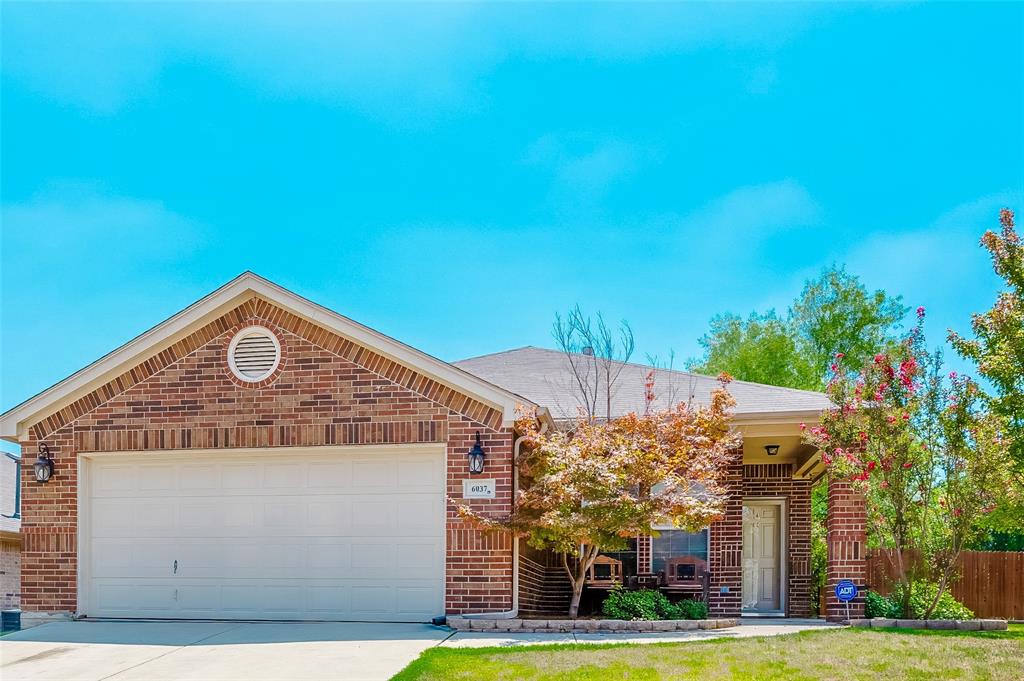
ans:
x=678 y=544
x=254 y=354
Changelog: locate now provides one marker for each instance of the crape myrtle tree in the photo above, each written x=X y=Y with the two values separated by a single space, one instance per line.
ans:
x=930 y=460
x=593 y=487
x=998 y=351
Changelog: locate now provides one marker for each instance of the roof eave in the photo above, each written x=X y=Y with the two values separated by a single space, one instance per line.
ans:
x=15 y=422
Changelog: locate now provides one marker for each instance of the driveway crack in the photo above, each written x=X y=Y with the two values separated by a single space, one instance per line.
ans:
x=169 y=652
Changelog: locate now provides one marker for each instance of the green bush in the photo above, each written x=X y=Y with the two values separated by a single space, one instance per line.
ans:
x=921 y=596
x=689 y=610
x=647 y=604
x=877 y=605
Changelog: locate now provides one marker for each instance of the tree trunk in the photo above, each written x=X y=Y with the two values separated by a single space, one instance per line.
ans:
x=946 y=573
x=578 y=579
x=577 y=594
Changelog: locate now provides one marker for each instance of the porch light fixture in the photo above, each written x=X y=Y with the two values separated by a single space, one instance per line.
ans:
x=44 y=464
x=772 y=450
x=476 y=457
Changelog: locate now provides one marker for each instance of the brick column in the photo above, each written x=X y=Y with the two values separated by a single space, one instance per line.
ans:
x=726 y=559
x=847 y=548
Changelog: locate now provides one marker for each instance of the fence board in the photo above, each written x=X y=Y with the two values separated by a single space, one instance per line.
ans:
x=991 y=583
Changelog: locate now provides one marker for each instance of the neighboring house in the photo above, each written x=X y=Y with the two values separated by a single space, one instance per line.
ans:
x=258 y=456
x=10 y=531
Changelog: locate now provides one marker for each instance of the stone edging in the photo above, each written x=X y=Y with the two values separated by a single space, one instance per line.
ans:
x=962 y=625
x=584 y=625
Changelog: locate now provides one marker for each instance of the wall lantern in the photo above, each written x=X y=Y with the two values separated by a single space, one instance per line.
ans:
x=476 y=457
x=44 y=464
x=772 y=450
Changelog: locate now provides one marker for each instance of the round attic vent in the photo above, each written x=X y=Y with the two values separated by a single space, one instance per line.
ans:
x=254 y=354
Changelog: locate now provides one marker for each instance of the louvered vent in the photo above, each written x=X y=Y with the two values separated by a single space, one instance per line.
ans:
x=254 y=354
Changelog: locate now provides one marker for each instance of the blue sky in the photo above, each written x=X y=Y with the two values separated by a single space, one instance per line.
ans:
x=453 y=175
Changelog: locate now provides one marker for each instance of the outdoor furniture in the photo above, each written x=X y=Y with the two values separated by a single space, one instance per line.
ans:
x=604 y=573
x=687 y=575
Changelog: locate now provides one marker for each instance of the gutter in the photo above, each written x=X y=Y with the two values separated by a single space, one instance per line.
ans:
x=514 y=612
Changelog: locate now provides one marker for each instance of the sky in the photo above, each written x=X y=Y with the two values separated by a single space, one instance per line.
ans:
x=455 y=174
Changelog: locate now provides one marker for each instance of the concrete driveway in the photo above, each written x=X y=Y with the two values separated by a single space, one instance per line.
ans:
x=212 y=651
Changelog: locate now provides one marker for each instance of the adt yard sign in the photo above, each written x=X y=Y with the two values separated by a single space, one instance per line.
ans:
x=846 y=591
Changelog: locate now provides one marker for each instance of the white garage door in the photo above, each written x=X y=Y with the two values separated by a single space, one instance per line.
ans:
x=298 y=535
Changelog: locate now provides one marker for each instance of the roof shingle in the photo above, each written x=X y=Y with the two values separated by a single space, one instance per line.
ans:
x=544 y=377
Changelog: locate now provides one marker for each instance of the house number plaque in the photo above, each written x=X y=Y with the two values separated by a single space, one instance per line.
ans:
x=477 y=489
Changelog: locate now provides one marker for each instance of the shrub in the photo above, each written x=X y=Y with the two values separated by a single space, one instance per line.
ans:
x=877 y=605
x=689 y=610
x=921 y=596
x=647 y=604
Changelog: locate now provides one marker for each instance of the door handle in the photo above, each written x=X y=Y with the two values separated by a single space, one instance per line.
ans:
x=175 y=567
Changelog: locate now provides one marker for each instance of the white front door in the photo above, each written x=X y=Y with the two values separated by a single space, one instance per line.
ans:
x=761 y=557
x=312 y=534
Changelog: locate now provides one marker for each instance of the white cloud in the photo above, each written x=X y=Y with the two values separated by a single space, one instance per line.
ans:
x=55 y=227
x=584 y=167
x=754 y=212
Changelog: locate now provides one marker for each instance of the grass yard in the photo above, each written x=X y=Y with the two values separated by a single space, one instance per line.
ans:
x=838 y=654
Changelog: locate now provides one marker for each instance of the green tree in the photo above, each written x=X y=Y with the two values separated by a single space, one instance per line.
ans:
x=834 y=313
x=761 y=348
x=998 y=350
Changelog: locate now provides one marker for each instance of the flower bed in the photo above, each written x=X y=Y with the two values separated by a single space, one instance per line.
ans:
x=962 y=625
x=586 y=625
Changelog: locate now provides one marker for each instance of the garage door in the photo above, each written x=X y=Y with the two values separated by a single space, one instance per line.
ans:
x=299 y=535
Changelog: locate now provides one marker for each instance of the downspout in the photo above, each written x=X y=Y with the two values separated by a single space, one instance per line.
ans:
x=514 y=612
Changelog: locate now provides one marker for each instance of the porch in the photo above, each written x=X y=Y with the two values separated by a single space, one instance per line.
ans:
x=754 y=562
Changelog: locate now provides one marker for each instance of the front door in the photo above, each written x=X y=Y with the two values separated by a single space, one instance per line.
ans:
x=761 y=555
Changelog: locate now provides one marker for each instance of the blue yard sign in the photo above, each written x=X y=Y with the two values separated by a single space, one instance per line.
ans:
x=846 y=591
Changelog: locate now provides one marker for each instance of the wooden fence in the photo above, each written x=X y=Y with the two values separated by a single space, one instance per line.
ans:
x=991 y=583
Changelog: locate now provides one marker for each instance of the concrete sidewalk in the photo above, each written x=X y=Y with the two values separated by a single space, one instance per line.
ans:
x=748 y=628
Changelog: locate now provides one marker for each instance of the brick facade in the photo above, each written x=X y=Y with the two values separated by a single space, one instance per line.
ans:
x=847 y=548
x=327 y=391
x=726 y=538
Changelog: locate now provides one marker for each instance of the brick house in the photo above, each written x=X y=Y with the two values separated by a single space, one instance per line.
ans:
x=258 y=456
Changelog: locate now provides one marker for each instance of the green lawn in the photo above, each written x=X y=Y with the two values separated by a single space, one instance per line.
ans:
x=836 y=654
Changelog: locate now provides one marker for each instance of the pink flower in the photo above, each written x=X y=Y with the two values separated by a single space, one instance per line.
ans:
x=908 y=464
x=803 y=426
x=884 y=485
x=957 y=512
x=879 y=358
x=920 y=312
x=840 y=355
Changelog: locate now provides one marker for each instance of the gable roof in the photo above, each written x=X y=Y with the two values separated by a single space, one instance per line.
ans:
x=545 y=377
x=15 y=422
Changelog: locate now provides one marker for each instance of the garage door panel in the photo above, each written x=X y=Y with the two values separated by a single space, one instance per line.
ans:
x=329 y=475
x=238 y=476
x=111 y=480
x=328 y=601
x=198 y=477
x=373 y=600
x=332 y=513
x=335 y=536
x=329 y=560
